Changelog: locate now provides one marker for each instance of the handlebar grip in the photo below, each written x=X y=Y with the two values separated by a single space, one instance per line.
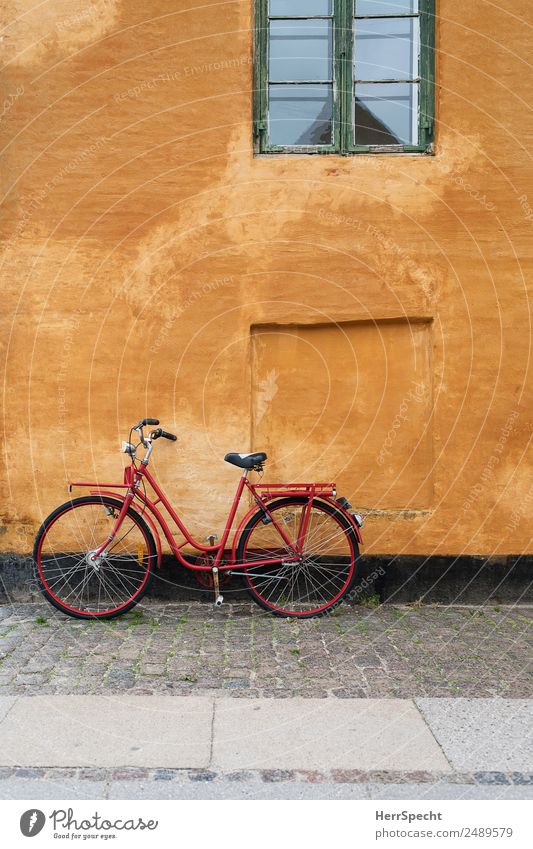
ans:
x=145 y=422
x=160 y=432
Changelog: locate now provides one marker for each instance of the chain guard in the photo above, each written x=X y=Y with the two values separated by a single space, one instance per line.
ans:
x=205 y=579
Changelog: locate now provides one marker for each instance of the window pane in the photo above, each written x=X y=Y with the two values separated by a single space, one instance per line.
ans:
x=386 y=114
x=301 y=8
x=300 y=114
x=386 y=49
x=385 y=7
x=300 y=50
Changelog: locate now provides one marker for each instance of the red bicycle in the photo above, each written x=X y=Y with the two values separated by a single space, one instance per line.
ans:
x=295 y=549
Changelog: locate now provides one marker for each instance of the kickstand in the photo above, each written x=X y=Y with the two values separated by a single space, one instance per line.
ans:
x=218 y=598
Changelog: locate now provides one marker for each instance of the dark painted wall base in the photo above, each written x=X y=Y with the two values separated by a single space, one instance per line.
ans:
x=454 y=580
x=429 y=580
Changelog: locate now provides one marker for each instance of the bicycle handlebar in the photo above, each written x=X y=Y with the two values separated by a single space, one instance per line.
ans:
x=160 y=432
x=147 y=443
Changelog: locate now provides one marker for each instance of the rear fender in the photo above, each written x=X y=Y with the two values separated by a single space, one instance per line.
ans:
x=347 y=515
x=256 y=507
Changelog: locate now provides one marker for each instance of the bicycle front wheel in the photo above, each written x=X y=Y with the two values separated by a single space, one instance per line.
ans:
x=79 y=585
x=323 y=574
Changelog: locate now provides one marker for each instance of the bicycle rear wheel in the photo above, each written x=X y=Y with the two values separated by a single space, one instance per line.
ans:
x=76 y=584
x=322 y=576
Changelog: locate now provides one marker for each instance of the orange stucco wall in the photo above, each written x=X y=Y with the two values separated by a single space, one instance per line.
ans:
x=152 y=266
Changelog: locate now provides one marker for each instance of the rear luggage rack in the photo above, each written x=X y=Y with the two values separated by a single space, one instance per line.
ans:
x=266 y=491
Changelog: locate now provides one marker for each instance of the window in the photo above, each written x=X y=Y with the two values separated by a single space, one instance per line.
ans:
x=344 y=76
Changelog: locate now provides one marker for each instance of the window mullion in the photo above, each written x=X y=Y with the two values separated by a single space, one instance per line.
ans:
x=260 y=74
x=337 y=75
x=427 y=71
x=343 y=64
x=348 y=75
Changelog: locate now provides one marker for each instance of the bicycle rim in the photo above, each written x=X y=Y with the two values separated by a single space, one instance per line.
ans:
x=69 y=576
x=319 y=579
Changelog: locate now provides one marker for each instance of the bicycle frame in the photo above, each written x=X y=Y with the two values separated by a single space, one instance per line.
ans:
x=262 y=494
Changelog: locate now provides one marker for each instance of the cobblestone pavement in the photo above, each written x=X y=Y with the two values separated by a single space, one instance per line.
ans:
x=238 y=650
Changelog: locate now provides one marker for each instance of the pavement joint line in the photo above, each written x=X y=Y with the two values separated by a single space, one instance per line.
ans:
x=10 y=708
x=391 y=729
x=428 y=726
x=212 y=740
x=349 y=733
x=451 y=726
x=367 y=708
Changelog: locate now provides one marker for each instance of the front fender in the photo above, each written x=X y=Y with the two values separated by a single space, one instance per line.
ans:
x=146 y=516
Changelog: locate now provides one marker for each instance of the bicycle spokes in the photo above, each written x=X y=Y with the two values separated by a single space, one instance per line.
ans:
x=315 y=578
x=79 y=579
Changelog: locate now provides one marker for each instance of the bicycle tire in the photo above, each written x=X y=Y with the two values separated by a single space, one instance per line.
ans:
x=257 y=592
x=51 y=573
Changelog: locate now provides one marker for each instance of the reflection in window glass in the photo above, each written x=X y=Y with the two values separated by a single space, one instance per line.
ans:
x=386 y=49
x=300 y=50
x=300 y=115
x=300 y=8
x=386 y=114
x=386 y=7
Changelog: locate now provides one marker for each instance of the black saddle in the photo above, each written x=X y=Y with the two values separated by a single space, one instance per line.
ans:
x=246 y=461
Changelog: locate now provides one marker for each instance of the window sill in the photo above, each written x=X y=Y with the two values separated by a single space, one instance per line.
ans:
x=427 y=150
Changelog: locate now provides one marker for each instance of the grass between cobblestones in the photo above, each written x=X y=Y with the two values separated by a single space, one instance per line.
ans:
x=240 y=651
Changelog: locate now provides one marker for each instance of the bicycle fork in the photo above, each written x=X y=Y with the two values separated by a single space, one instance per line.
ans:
x=98 y=554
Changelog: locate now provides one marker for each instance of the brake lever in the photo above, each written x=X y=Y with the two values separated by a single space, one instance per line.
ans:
x=139 y=429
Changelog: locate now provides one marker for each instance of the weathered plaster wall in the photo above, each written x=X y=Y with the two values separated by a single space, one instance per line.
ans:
x=146 y=252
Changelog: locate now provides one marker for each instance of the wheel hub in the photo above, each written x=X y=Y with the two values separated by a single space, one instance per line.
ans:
x=95 y=560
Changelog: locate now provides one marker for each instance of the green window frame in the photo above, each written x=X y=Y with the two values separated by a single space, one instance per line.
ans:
x=347 y=28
